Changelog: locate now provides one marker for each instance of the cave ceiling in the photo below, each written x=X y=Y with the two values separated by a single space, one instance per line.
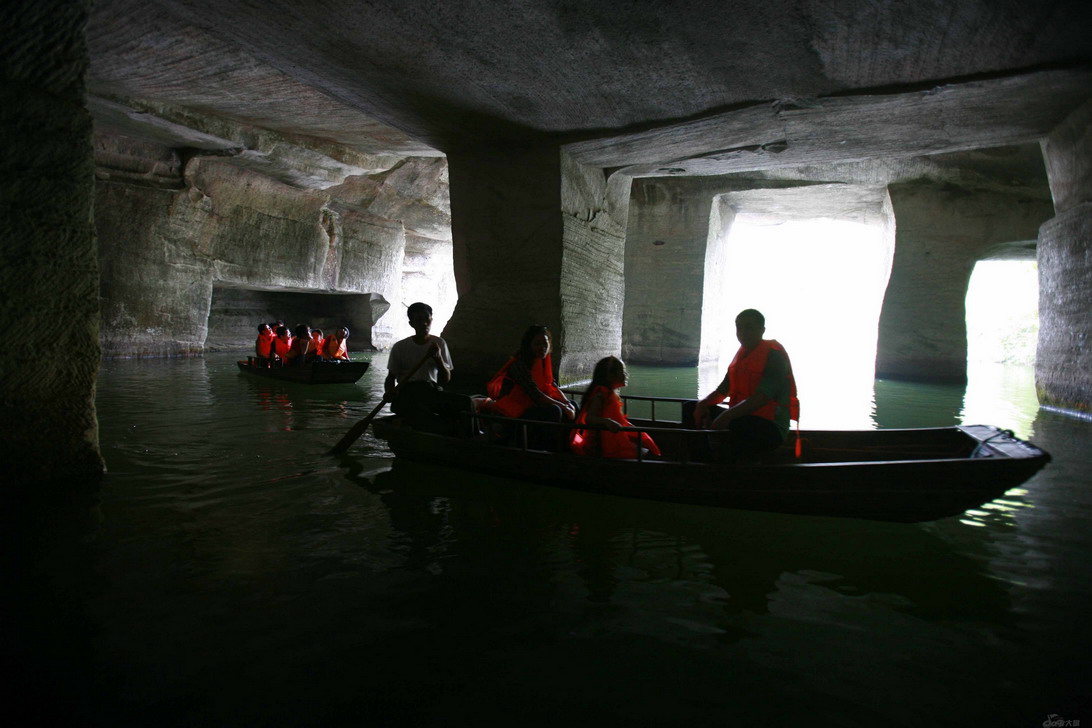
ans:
x=652 y=88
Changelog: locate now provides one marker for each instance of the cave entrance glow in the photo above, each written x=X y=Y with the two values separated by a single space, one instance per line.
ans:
x=1002 y=333
x=1003 y=312
x=820 y=283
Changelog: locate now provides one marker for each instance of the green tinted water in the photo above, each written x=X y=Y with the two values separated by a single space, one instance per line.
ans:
x=230 y=573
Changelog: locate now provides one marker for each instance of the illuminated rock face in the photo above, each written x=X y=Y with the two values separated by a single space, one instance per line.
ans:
x=171 y=234
x=940 y=233
x=1063 y=365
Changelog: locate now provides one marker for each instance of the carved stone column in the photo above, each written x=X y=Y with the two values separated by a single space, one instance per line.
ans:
x=941 y=231
x=1063 y=366
x=538 y=239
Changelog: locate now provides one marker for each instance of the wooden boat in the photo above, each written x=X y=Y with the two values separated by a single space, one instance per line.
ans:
x=319 y=372
x=908 y=475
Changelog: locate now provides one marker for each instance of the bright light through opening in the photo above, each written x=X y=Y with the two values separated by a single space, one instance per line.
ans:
x=1002 y=333
x=820 y=284
x=1003 y=312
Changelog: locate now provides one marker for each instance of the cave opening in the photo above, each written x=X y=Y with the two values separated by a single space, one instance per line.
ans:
x=1003 y=313
x=235 y=313
x=820 y=284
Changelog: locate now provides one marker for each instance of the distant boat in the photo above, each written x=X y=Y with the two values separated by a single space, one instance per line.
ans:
x=909 y=475
x=319 y=372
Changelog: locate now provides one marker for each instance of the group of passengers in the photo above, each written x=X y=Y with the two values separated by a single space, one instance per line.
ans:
x=759 y=387
x=277 y=346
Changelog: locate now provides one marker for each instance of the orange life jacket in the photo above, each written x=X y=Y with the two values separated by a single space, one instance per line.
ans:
x=515 y=401
x=264 y=344
x=282 y=346
x=334 y=349
x=605 y=443
x=745 y=374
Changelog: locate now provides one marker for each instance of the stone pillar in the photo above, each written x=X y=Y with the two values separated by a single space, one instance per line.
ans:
x=594 y=212
x=1063 y=366
x=718 y=325
x=49 y=276
x=666 y=244
x=940 y=233
x=537 y=238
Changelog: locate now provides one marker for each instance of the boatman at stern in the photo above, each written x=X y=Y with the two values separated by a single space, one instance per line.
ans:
x=761 y=394
x=417 y=369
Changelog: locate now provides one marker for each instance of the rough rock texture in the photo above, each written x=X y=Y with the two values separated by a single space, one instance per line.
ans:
x=1063 y=365
x=519 y=262
x=166 y=247
x=594 y=210
x=665 y=257
x=507 y=236
x=948 y=117
x=941 y=232
x=476 y=72
x=49 y=270
x=140 y=50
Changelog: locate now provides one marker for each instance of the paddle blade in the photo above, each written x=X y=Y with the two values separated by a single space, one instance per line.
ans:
x=356 y=431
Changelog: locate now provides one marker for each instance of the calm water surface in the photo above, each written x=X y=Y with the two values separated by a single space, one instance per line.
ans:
x=229 y=573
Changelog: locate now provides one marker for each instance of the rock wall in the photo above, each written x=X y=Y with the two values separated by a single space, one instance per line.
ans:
x=174 y=230
x=507 y=233
x=665 y=255
x=594 y=211
x=49 y=273
x=537 y=240
x=1063 y=366
x=941 y=232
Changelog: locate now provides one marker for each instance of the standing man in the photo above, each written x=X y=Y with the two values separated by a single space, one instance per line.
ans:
x=418 y=395
x=761 y=394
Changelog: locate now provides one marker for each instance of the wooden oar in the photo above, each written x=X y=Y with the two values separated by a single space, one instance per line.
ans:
x=358 y=429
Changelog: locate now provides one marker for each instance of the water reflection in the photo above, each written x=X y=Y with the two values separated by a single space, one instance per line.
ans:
x=230 y=568
x=603 y=550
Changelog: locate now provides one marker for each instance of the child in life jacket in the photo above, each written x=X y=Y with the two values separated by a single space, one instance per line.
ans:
x=602 y=406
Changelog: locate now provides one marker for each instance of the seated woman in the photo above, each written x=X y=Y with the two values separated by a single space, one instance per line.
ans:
x=335 y=345
x=301 y=342
x=525 y=388
x=282 y=345
x=602 y=406
x=317 y=344
x=263 y=346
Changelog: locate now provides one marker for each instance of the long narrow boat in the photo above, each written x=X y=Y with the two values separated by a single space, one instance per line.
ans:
x=908 y=475
x=319 y=372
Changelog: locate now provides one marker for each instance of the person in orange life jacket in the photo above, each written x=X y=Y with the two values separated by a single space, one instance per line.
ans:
x=525 y=388
x=317 y=342
x=420 y=397
x=335 y=346
x=263 y=346
x=301 y=342
x=761 y=394
x=282 y=344
x=601 y=405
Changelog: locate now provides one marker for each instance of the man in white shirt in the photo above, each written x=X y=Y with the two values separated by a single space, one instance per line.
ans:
x=417 y=369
